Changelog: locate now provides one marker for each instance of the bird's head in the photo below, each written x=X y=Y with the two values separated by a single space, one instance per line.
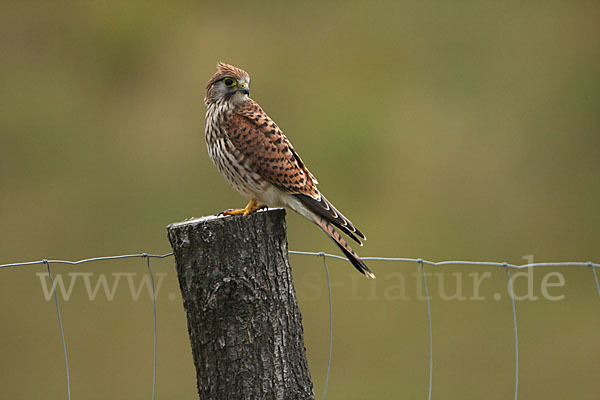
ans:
x=228 y=84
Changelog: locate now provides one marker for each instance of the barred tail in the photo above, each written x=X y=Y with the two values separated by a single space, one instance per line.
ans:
x=325 y=209
x=327 y=227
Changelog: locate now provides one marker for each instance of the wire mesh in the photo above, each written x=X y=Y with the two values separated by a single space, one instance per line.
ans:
x=419 y=261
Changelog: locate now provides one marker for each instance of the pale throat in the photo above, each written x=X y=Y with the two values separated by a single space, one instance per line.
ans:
x=239 y=98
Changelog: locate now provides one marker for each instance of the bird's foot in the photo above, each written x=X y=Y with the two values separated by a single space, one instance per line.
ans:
x=230 y=211
x=249 y=209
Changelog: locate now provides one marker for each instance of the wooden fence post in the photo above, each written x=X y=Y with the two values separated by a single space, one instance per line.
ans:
x=243 y=319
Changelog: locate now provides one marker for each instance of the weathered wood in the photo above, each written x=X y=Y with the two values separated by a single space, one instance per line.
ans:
x=243 y=318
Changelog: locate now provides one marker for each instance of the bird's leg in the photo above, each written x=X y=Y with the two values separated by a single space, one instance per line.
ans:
x=251 y=207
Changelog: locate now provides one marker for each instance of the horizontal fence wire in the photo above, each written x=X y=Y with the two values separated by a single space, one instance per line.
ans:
x=321 y=254
x=140 y=255
x=419 y=261
x=474 y=263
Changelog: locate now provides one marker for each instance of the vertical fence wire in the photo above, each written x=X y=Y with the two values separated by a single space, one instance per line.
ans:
x=60 y=325
x=419 y=261
x=514 y=312
x=330 y=324
x=595 y=277
x=154 y=315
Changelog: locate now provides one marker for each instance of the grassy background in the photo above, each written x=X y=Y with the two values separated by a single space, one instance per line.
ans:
x=445 y=130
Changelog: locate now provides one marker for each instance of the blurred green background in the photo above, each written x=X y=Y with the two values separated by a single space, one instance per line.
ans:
x=444 y=130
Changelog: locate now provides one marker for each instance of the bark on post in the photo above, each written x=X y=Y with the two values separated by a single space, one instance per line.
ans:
x=243 y=318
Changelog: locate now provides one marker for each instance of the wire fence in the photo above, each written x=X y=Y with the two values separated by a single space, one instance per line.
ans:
x=420 y=262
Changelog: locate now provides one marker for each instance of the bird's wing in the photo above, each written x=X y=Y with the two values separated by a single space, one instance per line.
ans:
x=269 y=153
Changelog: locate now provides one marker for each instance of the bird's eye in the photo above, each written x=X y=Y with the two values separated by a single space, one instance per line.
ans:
x=229 y=82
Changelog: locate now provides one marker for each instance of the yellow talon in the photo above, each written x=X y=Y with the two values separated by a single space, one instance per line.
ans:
x=249 y=209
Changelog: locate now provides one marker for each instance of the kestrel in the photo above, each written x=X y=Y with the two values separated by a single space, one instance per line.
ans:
x=258 y=160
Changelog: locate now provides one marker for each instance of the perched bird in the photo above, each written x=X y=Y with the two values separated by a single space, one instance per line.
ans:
x=256 y=158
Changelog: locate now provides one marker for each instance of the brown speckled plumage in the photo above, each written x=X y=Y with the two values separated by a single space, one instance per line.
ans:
x=258 y=160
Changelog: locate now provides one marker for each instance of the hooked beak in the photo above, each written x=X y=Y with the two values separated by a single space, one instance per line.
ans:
x=243 y=87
